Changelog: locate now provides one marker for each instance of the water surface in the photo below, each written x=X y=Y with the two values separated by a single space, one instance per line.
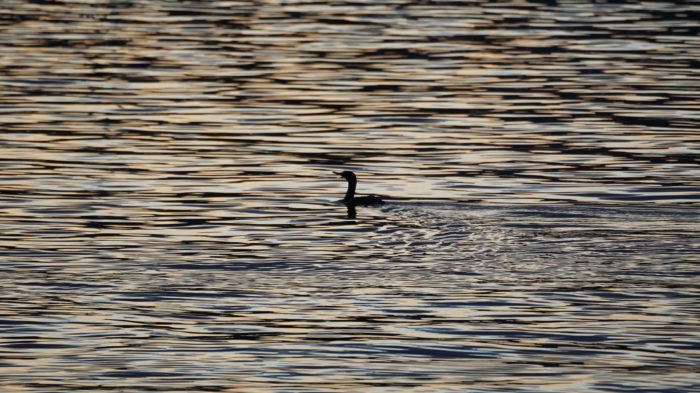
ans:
x=169 y=216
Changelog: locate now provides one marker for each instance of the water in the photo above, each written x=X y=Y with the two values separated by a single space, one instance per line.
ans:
x=170 y=220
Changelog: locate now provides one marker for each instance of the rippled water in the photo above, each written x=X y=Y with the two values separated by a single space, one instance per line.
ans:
x=169 y=217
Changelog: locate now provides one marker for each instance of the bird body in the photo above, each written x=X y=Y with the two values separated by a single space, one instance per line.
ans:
x=350 y=198
x=369 y=200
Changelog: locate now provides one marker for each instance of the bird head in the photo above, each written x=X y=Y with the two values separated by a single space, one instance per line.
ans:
x=347 y=175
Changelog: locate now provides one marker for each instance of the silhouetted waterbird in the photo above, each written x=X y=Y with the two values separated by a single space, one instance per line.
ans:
x=350 y=198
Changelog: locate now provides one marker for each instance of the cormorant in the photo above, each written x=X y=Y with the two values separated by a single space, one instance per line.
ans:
x=350 y=198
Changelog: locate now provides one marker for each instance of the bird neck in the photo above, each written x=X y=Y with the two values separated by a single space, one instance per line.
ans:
x=350 y=194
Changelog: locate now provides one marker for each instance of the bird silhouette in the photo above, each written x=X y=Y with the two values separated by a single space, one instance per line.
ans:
x=350 y=198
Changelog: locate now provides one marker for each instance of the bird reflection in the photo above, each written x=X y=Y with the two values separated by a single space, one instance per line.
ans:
x=352 y=212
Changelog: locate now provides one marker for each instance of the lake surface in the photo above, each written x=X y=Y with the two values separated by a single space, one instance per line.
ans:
x=169 y=219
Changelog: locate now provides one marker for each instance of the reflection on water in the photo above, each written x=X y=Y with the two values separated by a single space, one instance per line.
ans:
x=169 y=217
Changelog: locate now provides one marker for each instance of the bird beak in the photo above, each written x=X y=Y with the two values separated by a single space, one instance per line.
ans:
x=338 y=173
